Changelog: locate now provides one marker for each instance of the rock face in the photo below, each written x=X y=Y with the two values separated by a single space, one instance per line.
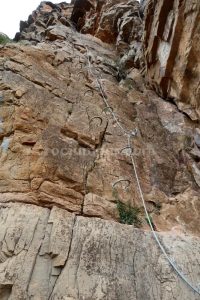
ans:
x=62 y=153
x=43 y=19
x=117 y=22
x=54 y=151
x=56 y=255
x=111 y=21
x=114 y=22
x=172 y=52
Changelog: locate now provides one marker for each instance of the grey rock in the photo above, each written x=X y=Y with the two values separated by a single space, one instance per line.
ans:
x=54 y=255
x=57 y=32
x=197 y=137
x=196 y=173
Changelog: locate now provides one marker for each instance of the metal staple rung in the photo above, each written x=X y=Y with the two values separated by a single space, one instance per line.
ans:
x=126 y=148
x=121 y=180
x=94 y=118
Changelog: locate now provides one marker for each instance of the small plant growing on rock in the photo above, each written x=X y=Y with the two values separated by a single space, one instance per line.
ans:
x=127 y=214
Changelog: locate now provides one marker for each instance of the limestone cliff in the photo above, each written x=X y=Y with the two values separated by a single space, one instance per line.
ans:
x=52 y=254
x=62 y=154
x=172 y=52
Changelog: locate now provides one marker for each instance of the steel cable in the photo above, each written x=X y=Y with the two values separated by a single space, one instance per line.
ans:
x=129 y=136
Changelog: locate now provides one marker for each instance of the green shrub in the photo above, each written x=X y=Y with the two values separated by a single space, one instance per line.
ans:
x=127 y=214
x=4 y=39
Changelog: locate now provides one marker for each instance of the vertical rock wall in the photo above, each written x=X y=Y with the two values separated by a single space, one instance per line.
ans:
x=61 y=152
x=172 y=51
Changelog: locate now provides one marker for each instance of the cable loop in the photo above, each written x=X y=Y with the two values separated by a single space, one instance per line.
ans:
x=134 y=132
x=109 y=108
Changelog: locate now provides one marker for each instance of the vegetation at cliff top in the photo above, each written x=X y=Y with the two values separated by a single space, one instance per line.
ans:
x=4 y=39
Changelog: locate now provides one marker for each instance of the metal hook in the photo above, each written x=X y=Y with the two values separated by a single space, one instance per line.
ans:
x=126 y=148
x=89 y=93
x=81 y=73
x=121 y=180
x=96 y=117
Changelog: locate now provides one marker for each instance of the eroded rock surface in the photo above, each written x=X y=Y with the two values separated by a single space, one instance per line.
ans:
x=61 y=152
x=114 y=22
x=46 y=21
x=117 y=22
x=172 y=52
x=56 y=255
x=53 y=151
